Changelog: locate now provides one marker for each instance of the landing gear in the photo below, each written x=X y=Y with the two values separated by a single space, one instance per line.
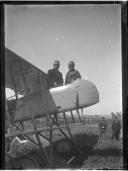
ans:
x=7 y=144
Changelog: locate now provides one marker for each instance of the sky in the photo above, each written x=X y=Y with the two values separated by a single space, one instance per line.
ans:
x=90 y=35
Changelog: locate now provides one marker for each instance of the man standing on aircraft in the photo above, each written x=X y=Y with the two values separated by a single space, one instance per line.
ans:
x=72 y=74
x=116 y=127
x=102 y=128
x=54 y=76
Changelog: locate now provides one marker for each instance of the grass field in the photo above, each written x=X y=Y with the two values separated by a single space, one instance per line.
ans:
x=93 y=154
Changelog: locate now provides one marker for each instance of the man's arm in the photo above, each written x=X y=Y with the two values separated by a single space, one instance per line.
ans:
x=66 y=79
x=61 y=79
x=78 y=74
x=119 y=125
x=113 y=125
x=48 y=78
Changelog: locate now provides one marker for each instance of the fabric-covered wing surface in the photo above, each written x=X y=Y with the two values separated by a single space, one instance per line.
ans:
x=23 y=77
x=13 y=73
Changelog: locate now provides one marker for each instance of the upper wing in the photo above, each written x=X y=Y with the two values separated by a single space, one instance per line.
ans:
x=14 y=65
x=24 y=78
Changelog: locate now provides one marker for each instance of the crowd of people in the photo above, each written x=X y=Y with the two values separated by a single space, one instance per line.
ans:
x=55 y=78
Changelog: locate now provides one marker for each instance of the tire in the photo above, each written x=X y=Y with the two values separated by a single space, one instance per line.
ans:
x=27 y=162
x=63 y=147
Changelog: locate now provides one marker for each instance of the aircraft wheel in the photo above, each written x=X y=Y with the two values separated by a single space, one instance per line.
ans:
x=63 y=147
x=27 y=162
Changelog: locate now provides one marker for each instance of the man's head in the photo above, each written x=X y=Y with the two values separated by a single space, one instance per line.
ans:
x=116 y=118
x=102 y=118
x=56 y=64
x=71 y=65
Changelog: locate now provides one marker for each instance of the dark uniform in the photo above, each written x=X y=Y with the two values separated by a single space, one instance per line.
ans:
x=116 y=127
x=54 y=78
x=102 y=128
x=72 y=76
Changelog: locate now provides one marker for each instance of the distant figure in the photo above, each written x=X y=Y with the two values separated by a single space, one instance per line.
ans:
x=91 y=119
x=102 y=128
x=116 y=127
x=72 y=74
x=54 y=76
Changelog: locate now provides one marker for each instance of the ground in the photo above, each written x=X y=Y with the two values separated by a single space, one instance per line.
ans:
x=95 y=154
x=92 y=153
x=105 y=155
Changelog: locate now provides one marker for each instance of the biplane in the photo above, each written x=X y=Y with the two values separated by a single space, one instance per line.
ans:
x=38 y=102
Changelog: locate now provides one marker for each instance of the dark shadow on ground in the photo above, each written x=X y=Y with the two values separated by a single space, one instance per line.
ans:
x=84 y=144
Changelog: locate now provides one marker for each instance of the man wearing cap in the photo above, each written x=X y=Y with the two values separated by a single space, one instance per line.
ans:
x=102 y=128
x=72 y=74
x=116 y=127
x=54 y=76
